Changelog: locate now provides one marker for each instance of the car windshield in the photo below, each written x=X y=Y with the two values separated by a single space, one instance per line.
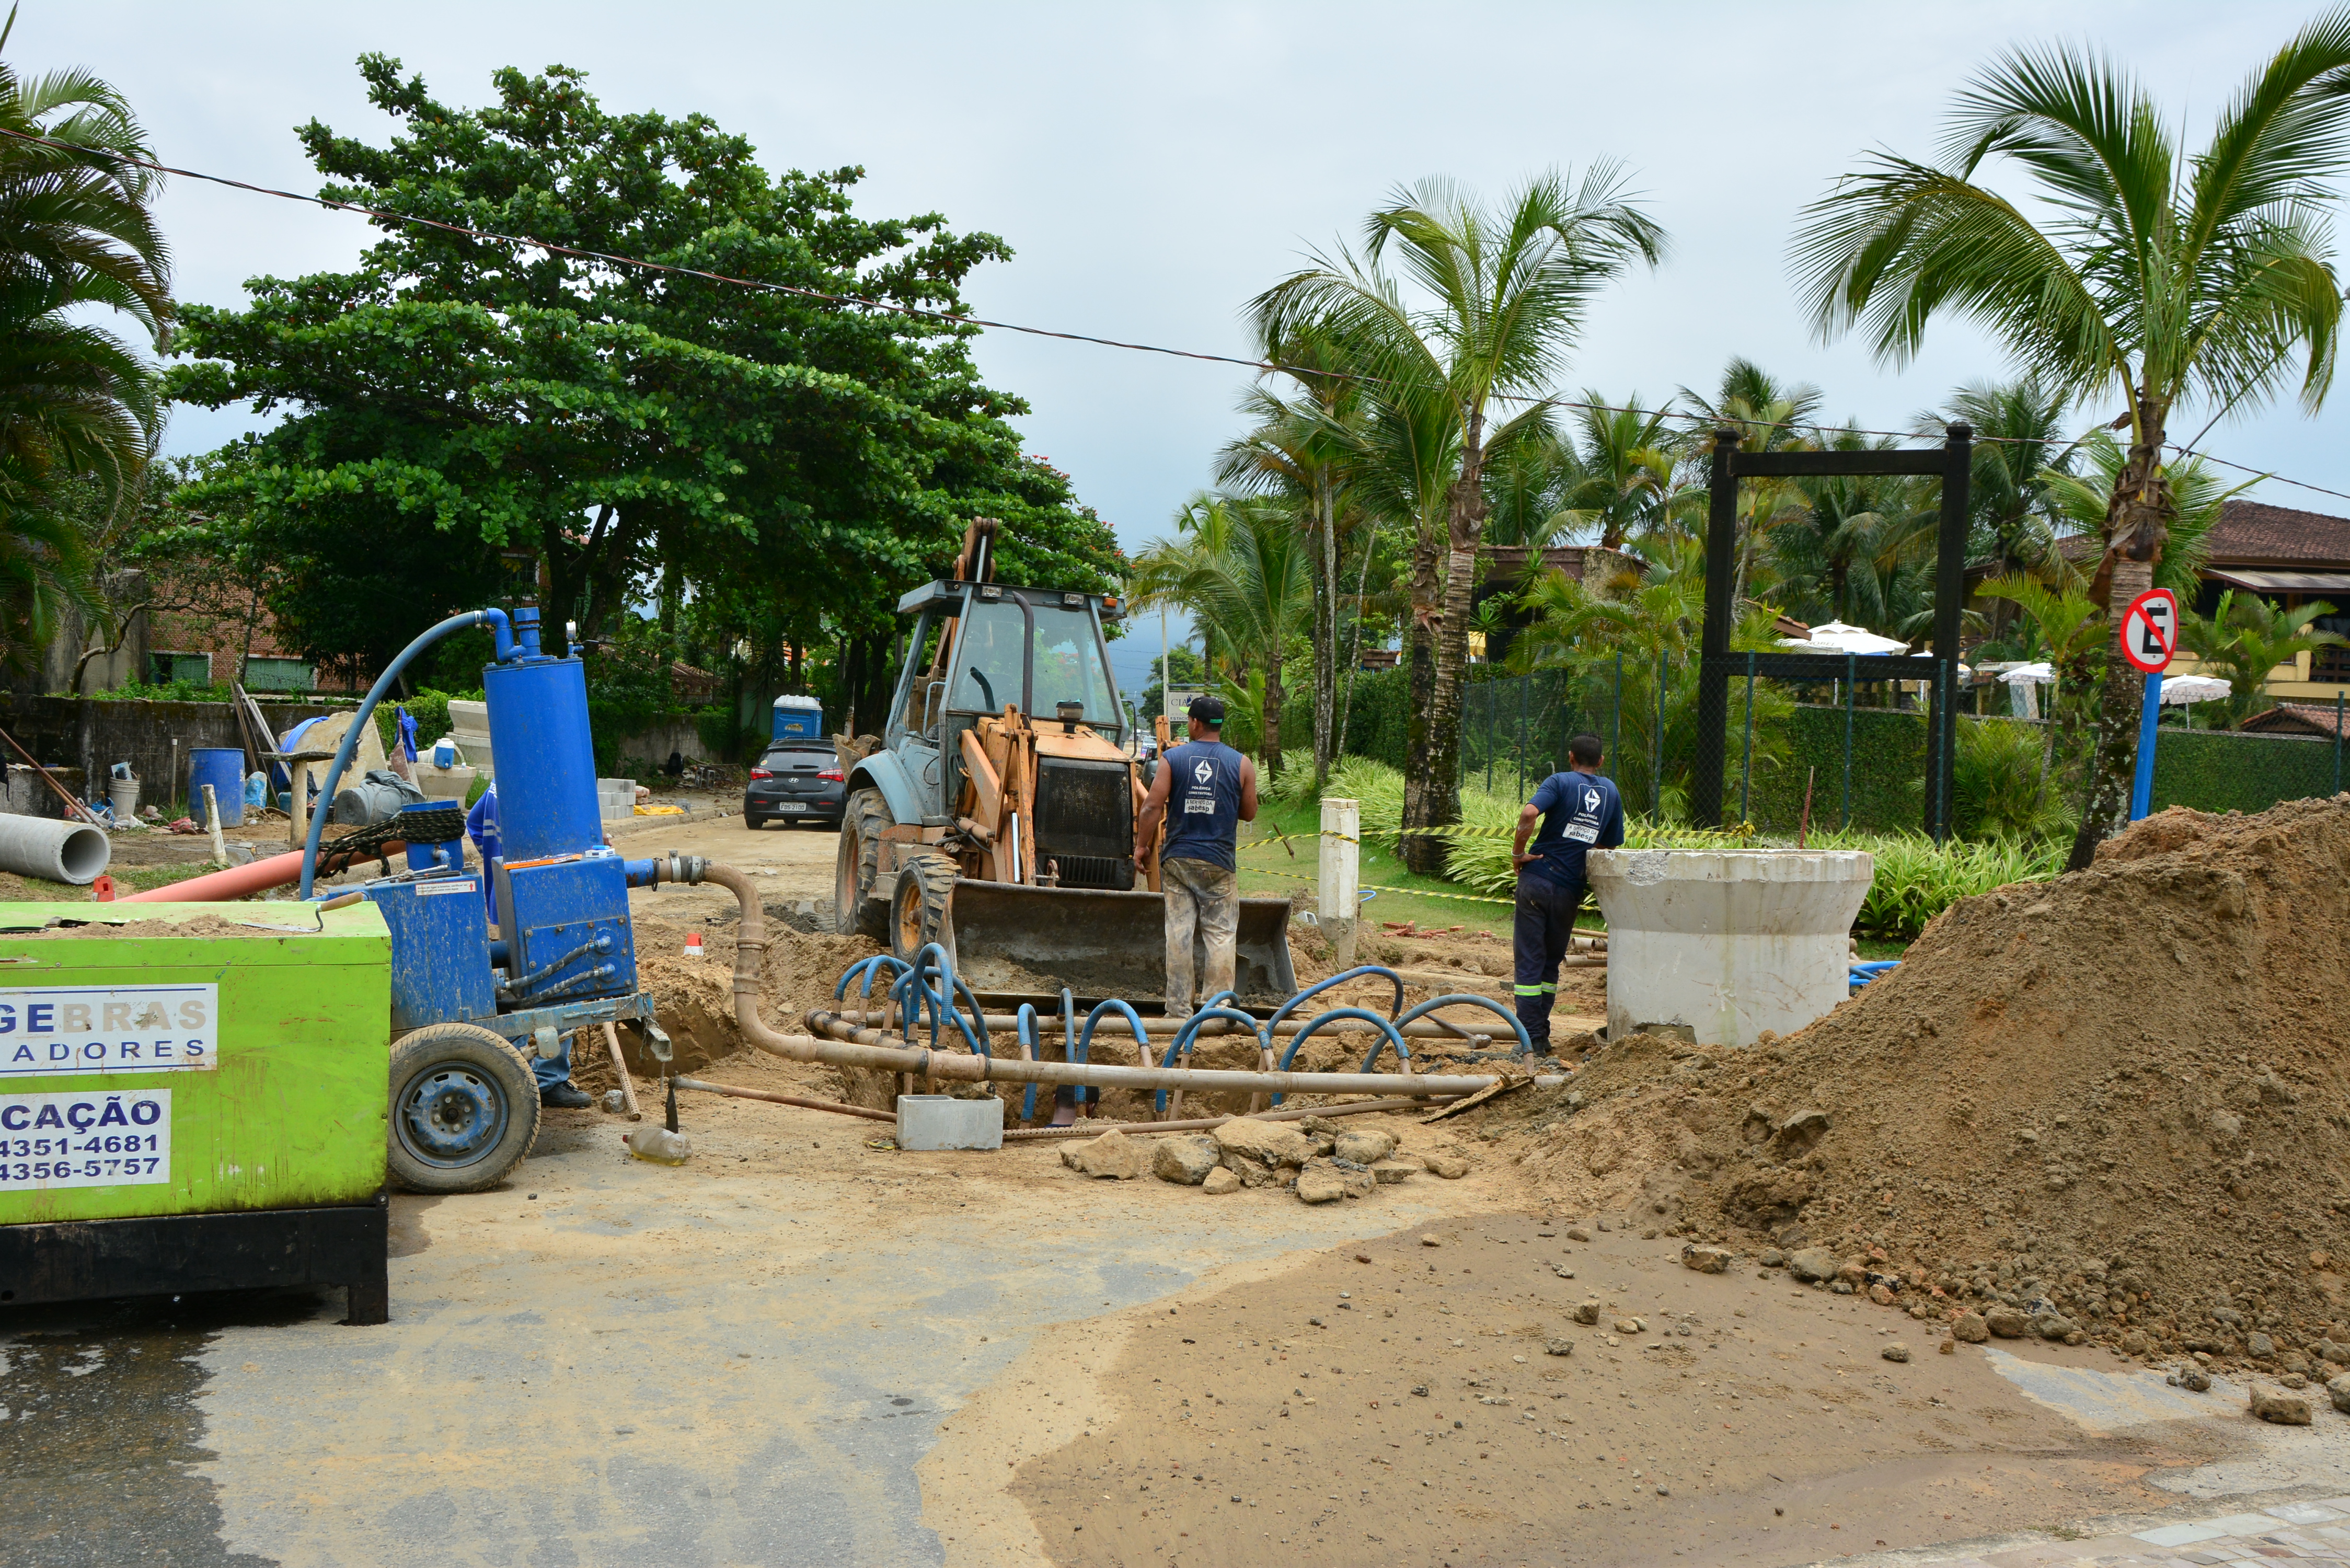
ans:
x=1068 y=668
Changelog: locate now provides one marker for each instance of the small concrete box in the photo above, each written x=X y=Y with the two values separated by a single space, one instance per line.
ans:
x=942 y=1121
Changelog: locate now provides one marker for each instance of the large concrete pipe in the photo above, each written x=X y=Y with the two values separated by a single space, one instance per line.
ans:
x=72 y=852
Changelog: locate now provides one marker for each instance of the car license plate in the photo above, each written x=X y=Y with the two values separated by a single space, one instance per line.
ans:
x=792 y=805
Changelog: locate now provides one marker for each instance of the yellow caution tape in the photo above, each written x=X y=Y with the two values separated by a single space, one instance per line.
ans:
x=661 y=811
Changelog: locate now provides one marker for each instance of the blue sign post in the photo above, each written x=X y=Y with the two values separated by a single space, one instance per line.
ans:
x=2149 y=632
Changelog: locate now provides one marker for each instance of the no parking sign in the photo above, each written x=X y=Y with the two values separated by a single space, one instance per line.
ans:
x=2150 y=630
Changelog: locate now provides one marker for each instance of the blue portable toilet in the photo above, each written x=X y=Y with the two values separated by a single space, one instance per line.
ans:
x=798 y=719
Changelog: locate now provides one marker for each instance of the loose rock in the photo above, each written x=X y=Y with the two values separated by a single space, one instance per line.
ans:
x=1387 y=1172
x=1265 y=1145
x=2339 y=1392
x=1557 y=1346
x=1969 y=1328
x=1365 y=1147
x=1185 y=1161
x=1813 y=1265
x=1587 y=1313
x=1451 y=1167
x=1112 y=1156
x=1219 y=1182
x=2007 y=1321
x=1317 y=1185
x=2280 y=1406
x=1577 y=1233
x=2195 y=1380
x=1894 y=1352
x=1704 y=1260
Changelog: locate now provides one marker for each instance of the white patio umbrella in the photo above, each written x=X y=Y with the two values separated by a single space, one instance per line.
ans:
x=1836 y=637
x=2183 y=690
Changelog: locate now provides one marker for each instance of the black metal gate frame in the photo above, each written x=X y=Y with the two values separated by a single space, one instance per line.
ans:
x=1952 y=463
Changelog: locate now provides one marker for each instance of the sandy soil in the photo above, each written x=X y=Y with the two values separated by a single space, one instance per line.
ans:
x=1393 y=1401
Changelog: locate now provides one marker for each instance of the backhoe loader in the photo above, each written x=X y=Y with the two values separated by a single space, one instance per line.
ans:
x=997 y=819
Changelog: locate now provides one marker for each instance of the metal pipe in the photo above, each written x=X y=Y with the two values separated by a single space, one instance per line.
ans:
x=733 y=1093
x=1206 y=1124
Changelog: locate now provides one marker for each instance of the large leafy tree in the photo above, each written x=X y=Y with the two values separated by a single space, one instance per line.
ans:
x=2132 y=272
x=451 y=397
x=1499 y=298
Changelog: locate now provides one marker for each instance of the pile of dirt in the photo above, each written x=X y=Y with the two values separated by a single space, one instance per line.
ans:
x=2116 y=1102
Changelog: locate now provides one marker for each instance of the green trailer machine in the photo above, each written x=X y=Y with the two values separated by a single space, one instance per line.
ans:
x=192 y=1098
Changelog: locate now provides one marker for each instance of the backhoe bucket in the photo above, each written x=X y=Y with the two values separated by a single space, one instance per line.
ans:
x=1015 y=944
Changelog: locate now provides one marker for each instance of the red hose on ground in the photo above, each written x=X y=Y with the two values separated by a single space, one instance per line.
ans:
x=218 y=887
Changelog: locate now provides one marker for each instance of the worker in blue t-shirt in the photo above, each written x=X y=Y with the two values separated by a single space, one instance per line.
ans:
x=1579 y=811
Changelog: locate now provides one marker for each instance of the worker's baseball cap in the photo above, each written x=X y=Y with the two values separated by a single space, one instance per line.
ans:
x=1208 y=711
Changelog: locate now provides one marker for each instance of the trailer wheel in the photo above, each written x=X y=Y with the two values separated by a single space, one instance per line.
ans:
x=465 y=1108
x=857 y=865
x=922 y=912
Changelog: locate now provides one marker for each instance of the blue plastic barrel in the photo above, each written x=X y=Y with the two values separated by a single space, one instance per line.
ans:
x=223 y=767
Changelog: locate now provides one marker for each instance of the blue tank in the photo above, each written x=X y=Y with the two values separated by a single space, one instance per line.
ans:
x=546 y=760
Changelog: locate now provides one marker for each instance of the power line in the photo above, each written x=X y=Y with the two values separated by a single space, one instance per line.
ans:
x=952 y=319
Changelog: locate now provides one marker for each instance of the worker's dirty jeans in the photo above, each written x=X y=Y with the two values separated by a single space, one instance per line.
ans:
x=552 y=1070
x=1205 y=900
x=1545 y=924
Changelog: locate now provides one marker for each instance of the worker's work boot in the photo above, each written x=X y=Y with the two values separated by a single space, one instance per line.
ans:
x=565 y=1097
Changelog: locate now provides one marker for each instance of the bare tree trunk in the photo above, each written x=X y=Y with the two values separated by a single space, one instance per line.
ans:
x=1274 y=696
x=1419 y=645
x=2137 y=527
x=1355 y=639
x=1438 y=802
x=1325 y=641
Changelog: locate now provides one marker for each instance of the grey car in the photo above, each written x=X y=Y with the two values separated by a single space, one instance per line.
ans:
x=795 y=782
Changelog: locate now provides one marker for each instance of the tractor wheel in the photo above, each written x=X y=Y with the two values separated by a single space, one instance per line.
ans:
x=922 y=911
x=857 y=865
x=465 y=1108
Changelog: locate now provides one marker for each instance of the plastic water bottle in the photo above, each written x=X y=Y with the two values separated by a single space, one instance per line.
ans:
x=656 y=1143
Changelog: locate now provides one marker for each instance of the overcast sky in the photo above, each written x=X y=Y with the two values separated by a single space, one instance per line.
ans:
x=1153 y=166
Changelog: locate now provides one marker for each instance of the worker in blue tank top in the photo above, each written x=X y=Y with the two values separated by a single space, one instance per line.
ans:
x=1203 y=791
x=1579 y=811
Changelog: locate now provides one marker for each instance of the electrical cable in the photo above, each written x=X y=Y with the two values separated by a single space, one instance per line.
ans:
x=953 y=319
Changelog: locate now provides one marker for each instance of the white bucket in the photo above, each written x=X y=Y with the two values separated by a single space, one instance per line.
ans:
x=122 y=795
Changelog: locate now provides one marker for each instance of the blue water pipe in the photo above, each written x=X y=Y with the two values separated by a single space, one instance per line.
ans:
x=1463 y=998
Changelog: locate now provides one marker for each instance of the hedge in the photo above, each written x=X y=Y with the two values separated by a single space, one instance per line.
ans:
x=2208 y=770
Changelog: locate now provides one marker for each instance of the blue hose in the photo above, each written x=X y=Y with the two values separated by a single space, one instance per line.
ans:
x=1317 y=989
x=1184 y=1038
x=1024 y=1021
x=1394 y=1035
x=1525 y=1041
x=506 y=647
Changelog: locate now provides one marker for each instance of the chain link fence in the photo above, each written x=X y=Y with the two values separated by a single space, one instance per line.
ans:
x=1857 y=750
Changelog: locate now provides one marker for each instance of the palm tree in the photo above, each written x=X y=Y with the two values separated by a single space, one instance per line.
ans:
x=76 y=229
x=2245 y=639
x=1297 y=448
x=2148 y=279
x=1769 y=415
x=2075 y=642
x=2198 y=491
x=1505 y=294
x=2017 y=453
x=1851 y=545
x=1628 y=459
x=1242 y=569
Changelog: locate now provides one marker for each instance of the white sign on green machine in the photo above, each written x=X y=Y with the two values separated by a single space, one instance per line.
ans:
x=49 y=1031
